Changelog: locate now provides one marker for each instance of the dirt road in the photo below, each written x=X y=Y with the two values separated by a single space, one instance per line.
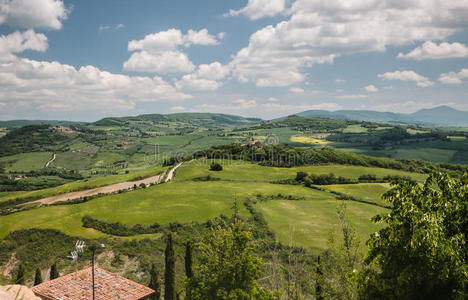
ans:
x=171 y=173
x=108 y=188
x=50 y=161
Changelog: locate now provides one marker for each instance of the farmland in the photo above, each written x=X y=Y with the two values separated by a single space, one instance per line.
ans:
x=297 y=213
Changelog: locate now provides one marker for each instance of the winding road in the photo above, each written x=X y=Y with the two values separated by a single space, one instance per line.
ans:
x=108 y=189
x=50 y=161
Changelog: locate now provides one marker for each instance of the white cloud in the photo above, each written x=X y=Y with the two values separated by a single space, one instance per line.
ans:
x=420 y=80
x=178 y=108
x=201 y=37
x=52 y=86
x=33 y=13
x=160 y=52
x=119 y=26
x=296 y=90
x=103 y=27
x=164 y=62
x=17 y=42
x=453 y=78
x=272 y=99
x=319 y=31
x=254 y=108
x=351 y=96
x=430 y=50
x=371 y=88
x=206 y=78
x=256 y=9
x=339 y=80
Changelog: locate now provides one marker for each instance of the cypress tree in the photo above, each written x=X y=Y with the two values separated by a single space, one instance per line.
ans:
x=318 y=288
x=155 y=284
x=38 y=277
x=188 y=260
x=20 y=275
x=54 y=271
x=169 y=272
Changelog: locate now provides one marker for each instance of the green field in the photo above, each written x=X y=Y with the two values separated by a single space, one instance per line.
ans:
x=355 y=128
x=26 y=161
x=243 y=171
x=309 y=223
x=164 y=203
x=370 y=192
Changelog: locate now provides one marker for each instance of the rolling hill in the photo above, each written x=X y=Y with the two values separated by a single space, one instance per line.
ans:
x=441 y=115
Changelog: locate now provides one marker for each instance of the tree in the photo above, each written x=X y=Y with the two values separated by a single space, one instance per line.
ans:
x=301 y=176
x=216 y=167
x=338 y=264
x=169 y=272
x=228 y=268
x=54 y=271
x=38 y=277
x=154 y=283
x=20 y=275
x=188 y=260
x=421 y=254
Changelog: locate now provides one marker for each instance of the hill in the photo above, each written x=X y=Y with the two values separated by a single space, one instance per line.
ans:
x=21 y=123
x=206 y=120
x=442 y=115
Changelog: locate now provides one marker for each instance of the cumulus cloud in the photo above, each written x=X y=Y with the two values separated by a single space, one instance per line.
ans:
x=430 y=50
x=256 y=108
x=453 y=77
x=160 y=52
x=206 y=78
x=420 y=80
x=52 y=86
x=119 y=26
x=18 y=42
x=33 y=13
x=371 y=88
x=256 y=9
x=319 y=31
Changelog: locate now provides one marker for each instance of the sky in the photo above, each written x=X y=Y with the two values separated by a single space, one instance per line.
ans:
x=87 y=59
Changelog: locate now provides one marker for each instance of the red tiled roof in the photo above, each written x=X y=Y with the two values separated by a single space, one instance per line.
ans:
x=78 y=286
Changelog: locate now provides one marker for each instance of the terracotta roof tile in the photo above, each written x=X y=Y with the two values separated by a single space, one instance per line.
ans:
x=78 y=286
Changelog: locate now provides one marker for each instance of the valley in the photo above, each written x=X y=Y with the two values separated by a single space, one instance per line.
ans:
x=129 y=181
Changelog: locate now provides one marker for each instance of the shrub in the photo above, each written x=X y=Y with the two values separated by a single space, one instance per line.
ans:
x=216 y=167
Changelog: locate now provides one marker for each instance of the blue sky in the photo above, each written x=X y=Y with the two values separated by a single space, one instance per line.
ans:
x=84 y=60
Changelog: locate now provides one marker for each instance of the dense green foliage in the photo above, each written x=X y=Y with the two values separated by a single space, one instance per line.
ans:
x=227 y=266
x=29 y=139
x=37 y=277
x=54 y=273
x=169 y=270
x=155 y=283
x=20 y=276
x=285 y=156
x=422 y=253
x=216 y=167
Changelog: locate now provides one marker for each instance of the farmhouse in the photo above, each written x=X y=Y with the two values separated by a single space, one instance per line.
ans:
x=78 y=285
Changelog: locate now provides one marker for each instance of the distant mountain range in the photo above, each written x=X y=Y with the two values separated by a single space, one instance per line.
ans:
x=439 y=116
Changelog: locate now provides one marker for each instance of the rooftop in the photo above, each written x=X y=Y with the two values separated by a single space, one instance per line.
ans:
x=78 y=286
